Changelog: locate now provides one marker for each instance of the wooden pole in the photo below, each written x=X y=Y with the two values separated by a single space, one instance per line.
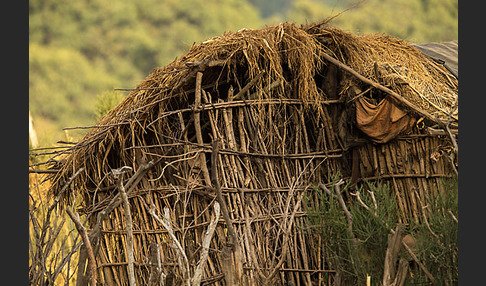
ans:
x=219 y=194
x=89 y=249
x=128 y=218
x=197 y=126
x=398 y=98
x=196 y=280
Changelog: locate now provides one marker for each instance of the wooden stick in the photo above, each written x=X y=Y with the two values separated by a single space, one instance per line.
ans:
x=391 y=256
x=414 y=257
x=267 y=88
x=196 y=279
x=401 y=272
x=242 y=92
x=376 y=85
x=183 y=263
x=128 y=218
x=337 y=192
x=86 y=241
x=312 y=271
x=197 y=126
x=219 y=195
x=155 y=265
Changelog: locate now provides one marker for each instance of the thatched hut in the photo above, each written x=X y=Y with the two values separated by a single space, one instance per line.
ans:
x=258 y=117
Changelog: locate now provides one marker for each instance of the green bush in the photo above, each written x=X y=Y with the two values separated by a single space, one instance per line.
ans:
x=437 y=244
x=362 y=252
x=107 y=101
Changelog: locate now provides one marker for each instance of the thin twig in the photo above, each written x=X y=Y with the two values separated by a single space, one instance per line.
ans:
x=356 y=194
x=453 y=216
x=375 y=204
x=425 y=216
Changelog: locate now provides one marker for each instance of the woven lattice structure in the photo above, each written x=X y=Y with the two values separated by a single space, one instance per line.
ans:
x=285 y=120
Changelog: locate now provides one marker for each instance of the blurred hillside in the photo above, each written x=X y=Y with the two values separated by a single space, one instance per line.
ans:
x=80 y=51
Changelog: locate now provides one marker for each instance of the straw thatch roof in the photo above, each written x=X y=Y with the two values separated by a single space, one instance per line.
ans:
x=283 y=106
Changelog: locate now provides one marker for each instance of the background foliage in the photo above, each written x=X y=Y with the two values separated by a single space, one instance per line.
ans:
x=80 y=50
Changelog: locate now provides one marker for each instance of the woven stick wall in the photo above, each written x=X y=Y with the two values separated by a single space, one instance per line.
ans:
x=263 y=187
x=284 y=118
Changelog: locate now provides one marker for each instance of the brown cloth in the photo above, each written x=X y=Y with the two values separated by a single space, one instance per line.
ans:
x=382 y=122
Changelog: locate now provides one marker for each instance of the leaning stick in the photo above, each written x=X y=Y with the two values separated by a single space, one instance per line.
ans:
x=247 y=87
x=414 y=257
x=197 y=126
x=89 y=249
x=177 y=245
x=374 y=84
x=196 y=280
x=219 y=194
x=128 y=217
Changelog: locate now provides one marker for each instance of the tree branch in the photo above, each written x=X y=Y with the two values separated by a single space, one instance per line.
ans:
x=196 y=280
x=183 y=261
x=84 y=236
x=219 y=194
x=117 y=173
x=398 y=98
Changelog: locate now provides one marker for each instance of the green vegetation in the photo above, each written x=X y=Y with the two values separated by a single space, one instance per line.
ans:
x=362 y=252
x=438 y=246
x=107 y=101
x=81 y=49
x=414 y=21
x=370 y=232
